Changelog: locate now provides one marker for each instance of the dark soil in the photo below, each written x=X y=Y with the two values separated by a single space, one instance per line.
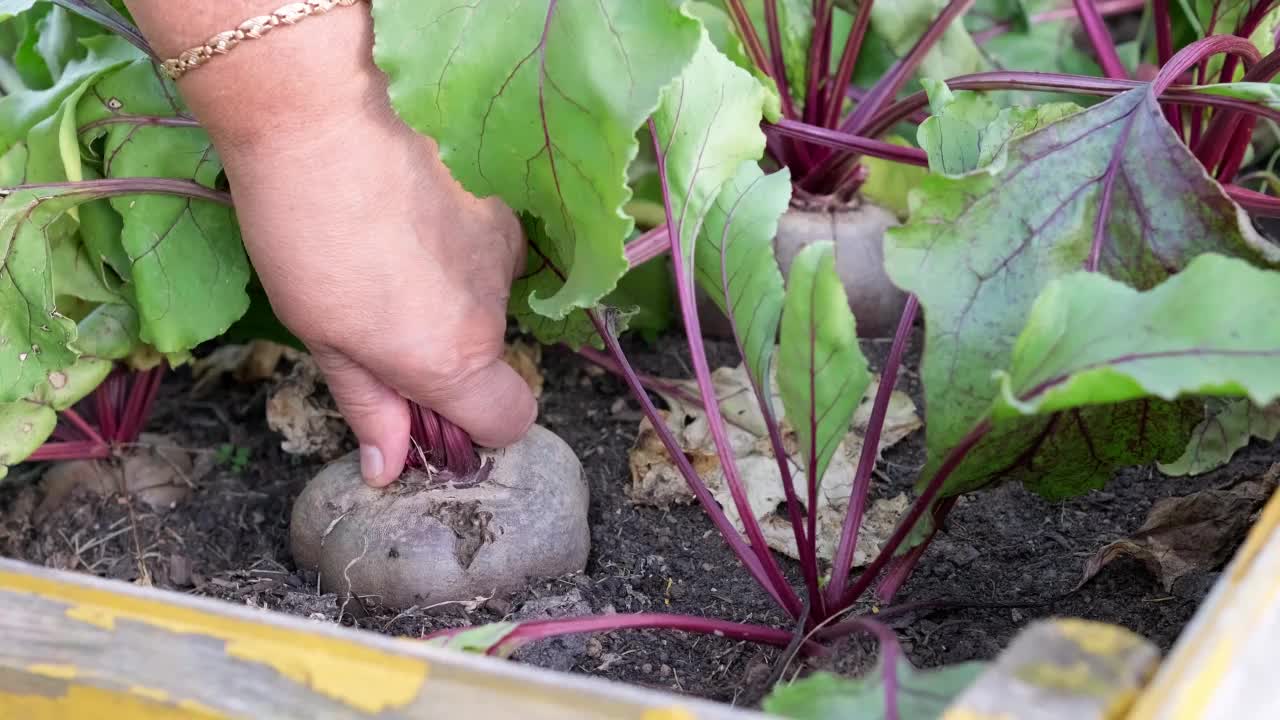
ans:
x=229 y=541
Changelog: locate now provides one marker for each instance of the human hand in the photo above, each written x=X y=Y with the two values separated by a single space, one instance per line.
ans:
x=393 y=276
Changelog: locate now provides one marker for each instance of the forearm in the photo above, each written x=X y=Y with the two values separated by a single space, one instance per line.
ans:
x=294 y=80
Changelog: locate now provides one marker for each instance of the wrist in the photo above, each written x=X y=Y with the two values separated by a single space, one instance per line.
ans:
x=299 y=79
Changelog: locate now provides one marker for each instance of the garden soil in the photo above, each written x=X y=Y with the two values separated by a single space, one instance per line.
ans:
x=1002 y=546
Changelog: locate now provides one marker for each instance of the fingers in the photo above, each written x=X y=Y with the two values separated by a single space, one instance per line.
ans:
x=377 y=414
x=494 y=404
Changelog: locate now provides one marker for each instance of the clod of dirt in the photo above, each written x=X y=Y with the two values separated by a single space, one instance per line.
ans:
x=159 y=476
x=1183 y=537
x=858 y=235
x=426 y=539
x=560 y=653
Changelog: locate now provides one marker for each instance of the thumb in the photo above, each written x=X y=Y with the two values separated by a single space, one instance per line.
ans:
x=377 y=414
x=493 y=404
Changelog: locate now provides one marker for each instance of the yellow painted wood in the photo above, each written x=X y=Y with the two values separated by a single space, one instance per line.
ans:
x=1061 y=669
x=1223 y=666
x=73 y=646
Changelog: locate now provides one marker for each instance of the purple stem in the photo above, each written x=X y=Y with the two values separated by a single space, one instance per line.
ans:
x=819 y=47
x=649 y=382
x=112 y=187
x=1096 y=28
x=742 y=21
x=1164 y=51
x=78 y=450
x=843 y=558
x=1105 y=8
x=806 y=544
x=922 y=503
x=535 y=630
x=79 y=423
x=648 y=246
x=140 y=120
x=901 y=568
x=1255 y=202
x=1055 y=82
x=702 y=372
x=846 y=141
x=848 y=58
x=882 y=93
x=776 y=60
x=709 y=505
x=893 y=81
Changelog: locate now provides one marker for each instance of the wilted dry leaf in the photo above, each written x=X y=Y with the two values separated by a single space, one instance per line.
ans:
x=656 y=481
x=1191 y=534
x=302 y=411
x=525 y=358
x=254 y=362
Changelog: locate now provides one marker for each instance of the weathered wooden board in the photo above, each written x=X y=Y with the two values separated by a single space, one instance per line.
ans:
x=1223 y=666
x=73 y=646
x=1061 y=669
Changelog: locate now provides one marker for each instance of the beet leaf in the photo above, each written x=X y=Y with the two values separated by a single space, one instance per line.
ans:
x=543 y=114
x=1113 y=181
x=822 y=374
x=1091 y=340
x=1229 y=424
x=187 y=266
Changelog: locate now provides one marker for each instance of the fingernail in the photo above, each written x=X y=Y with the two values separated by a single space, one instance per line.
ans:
x=371 y=464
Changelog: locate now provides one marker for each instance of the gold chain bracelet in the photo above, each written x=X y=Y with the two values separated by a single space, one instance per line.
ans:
x=251 y=29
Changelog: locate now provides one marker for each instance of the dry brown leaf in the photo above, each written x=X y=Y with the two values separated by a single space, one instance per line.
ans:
x=254 y=362
x=1195 y=533
x=525 y=358
x=301 y=410
x=656 y=481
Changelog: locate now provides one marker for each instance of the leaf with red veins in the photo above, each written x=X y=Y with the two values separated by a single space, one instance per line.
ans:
x=980 y=248
x=188 y=272
x=538 y=102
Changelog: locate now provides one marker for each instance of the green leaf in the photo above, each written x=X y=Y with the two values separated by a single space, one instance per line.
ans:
x=539 y=103
x=1265 y=94
x=795 y=25
x=921 y=695
x=12 y=8
x=1229 y=424
x=480 y=639
x=187 y=266
x=708 y=132
x=889 y=184
x=737 y=246
x=822 y=374
x=900 y=24
x=980 y=249
x=110 y=332
x=21 y=111
x=63 y=389
x=1091 y=340
x=34 y=336
x=646 y=296
x=24 y=426
x=968 y=131
x=544 y=273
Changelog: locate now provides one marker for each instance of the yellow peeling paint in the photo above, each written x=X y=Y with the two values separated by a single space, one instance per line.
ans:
x=673 y=713
x=58 y=672
x=89 y=702
x=363 y=678
x=967 y=714
x=155 y=694
x=1097 y=639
